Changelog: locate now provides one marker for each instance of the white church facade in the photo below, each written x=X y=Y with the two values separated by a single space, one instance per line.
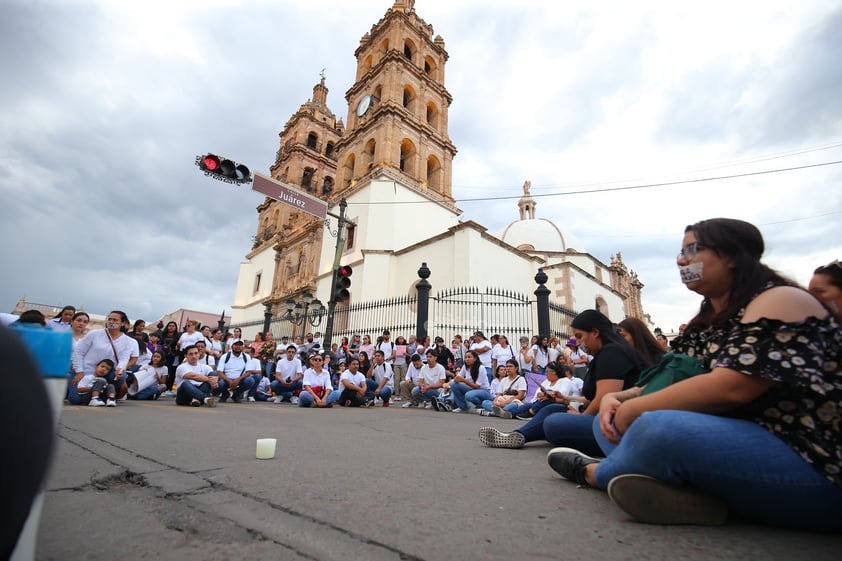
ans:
x=392 y=164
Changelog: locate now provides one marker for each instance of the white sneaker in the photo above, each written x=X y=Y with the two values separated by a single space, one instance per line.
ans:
x=277 y=399
x=456 y=410
x=111 y=403
x=96 y=402
x=294 y=400
x=408 y=404
x=251 y=398
x=428 y=405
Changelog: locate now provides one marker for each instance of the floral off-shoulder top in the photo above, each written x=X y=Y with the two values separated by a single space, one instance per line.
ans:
x=804 y=409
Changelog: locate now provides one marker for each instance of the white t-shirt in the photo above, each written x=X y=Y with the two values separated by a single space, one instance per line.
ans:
x=253 y=366
x=87 y=381
x=357 y=379
x=434 y=375
x=188 y=339
x=288 y=369
x=96 y=346
x=413 y=374
x=186 y=368
x=484 y=358
x=384 y=371
x=502 y=354
x=540 y=357
x=482 y=379
x=494 y=387
x=233 y=366
x=208 y=359
x=387 y=347
x=315 y=379
x=263 y=386
x=507 y=383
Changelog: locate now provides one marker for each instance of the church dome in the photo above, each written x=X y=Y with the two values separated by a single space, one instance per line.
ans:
x=539 y=234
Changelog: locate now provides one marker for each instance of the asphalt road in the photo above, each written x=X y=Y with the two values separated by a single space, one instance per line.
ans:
x=155 y=481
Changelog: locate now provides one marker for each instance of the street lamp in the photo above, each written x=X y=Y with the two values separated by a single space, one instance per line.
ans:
x=311 y=311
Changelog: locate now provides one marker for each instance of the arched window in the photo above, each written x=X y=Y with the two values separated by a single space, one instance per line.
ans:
x=327 y=187
x=370 y=148
x=601 y=305
x=432 y=115
x=407 y=161
x=408 y=49
x=433 y=173
x=312 y=140
x=348 y=170
x=409 y=98
x=329 y=151
x=307 y=178
x=430 y=67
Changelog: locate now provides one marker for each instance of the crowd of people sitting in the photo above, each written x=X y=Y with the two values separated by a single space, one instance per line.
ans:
x=741 y=413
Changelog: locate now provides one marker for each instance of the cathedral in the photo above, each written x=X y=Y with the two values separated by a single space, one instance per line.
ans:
x=391 y=161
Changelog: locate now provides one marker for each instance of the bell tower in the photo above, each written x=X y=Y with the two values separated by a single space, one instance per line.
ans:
x=397 y=109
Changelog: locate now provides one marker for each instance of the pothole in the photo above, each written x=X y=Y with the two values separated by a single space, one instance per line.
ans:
x=122 y=480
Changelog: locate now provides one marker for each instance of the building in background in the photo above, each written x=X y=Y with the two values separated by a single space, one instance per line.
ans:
x=392 y=163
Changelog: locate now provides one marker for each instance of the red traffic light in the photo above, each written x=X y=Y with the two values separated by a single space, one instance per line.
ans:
x=223 y=169
x=345 y=271
x=342 y=283
x=210 y=162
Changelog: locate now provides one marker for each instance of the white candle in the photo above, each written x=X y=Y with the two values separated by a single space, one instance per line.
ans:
x=266 y=448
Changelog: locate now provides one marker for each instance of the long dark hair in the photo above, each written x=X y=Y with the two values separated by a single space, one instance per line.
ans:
x=833 y=271
x=643 y=340
x=474 y=368
x=593 y=319
x=743 y=244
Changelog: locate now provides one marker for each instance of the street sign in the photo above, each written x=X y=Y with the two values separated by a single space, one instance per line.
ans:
x=283 y=193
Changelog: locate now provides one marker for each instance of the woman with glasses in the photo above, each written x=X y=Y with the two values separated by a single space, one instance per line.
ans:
x=318 y=389
x=758 y=433
x=826 y=285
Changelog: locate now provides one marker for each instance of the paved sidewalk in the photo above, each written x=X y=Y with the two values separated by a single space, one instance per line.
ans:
x=156 y=481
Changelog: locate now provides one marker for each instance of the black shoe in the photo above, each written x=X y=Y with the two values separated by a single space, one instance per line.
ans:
x=656 y=502
x=571 y=464
x=436 y=405
x=524 y=416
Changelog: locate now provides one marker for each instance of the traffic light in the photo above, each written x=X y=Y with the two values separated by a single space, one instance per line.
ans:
x=223 y=169
x=341 y=283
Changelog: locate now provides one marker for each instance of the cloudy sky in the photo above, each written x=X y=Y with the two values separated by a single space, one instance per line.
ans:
x=105 y=105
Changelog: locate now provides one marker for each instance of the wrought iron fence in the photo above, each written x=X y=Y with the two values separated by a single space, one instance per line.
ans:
x=560 y=318
x=468 y=309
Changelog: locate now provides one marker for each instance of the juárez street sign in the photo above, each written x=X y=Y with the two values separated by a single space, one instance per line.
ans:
x=282 y=192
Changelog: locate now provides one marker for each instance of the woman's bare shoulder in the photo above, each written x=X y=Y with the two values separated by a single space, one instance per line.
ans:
x=784 y=303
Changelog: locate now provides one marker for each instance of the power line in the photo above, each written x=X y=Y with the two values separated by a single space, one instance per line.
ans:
x=611 y=189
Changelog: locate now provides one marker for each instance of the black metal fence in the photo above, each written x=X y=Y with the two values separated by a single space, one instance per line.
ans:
x=452 y=311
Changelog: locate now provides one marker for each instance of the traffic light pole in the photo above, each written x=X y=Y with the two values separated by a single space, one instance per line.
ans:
x=337 y=256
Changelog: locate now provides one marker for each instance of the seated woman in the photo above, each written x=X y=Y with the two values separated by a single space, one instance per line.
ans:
x=318 y=391
x=557 y=388
x=638 y=336
x=470 y=387
x=758 y=434
x=150 y=381
x=510 y=391
x=615 y=366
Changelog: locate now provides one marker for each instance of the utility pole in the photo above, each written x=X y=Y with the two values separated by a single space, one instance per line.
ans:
x=337 y=256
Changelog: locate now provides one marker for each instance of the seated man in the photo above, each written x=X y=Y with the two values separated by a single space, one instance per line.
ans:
x=234 y=380
x=288 y=376
x=430 y=381
x=381 y=379
x=194 y=381
x=352 y=385
x=413 y=373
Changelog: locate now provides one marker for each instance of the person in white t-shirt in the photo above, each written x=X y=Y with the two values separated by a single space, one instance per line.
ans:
x=150 y=380
x=99 y=344
x=255 y=370
x=501 y=352
x=204 y=357
x=318 y=390
x=557 y=388
x=469 y=388
x=431 y=379
x=352 y=386
x=195 y=382
x=289 y=376
x=482 y=347
x=380 y=380
x=541 y=355
x=189 y=337
x=234 y=381
x=510 y=392
x=410 y=381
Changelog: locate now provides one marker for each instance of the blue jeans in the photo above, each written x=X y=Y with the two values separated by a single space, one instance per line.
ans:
x=753 y=471
x=244 y=386
x=420 y=397
x=476 y=397
x=458 y=393
x=187 y=391
x=554 y=424
x=371 y=385
x=286 y=389
x=253 y=391
x=306 y=399
x=152 y=392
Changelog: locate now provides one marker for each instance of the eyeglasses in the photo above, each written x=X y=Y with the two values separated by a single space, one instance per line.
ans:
x=690 y=251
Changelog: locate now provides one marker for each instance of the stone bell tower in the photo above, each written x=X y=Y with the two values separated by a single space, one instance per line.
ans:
x=397 y=114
